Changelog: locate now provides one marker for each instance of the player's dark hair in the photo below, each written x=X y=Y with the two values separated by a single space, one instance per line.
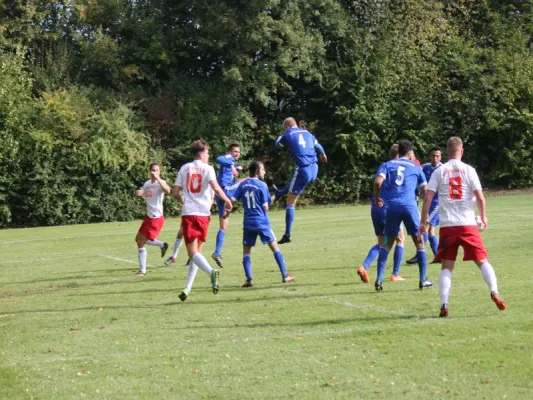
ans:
x=198 y=146
x=404 y=147
x=254 y=168
x=393 y=152
x=153 y=165
x=233 y=145
x=434 y=148
x=302 y=124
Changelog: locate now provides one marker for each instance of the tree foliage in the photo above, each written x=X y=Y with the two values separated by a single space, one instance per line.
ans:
x=93 y=91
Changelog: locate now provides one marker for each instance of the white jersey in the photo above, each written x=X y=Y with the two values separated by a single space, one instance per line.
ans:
x=455 y=183
x=194 y=178
x=154 y=194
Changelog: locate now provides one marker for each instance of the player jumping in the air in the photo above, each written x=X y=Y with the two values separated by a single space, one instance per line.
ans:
x=458 y=187
x=256 y=200
x=303 y=147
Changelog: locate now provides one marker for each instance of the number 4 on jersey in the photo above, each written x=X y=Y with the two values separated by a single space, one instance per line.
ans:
x=301 y=141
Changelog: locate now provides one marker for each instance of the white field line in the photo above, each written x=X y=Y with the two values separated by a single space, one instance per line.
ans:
x=124 y=260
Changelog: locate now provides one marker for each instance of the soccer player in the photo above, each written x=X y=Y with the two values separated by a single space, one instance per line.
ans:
x=378 y=220
x=227 y=172
x=458 y=187
x=435 y=155
x=193 y=187
x=256 y=200
x=153 y=191
x=303 y=147
x=400 y=177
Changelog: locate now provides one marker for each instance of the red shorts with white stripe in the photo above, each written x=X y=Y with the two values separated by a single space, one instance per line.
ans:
x=451 y=237
x=151 y=227
x=195 y=227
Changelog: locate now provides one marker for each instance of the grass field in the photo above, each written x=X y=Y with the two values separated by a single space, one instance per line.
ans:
x=76 y=323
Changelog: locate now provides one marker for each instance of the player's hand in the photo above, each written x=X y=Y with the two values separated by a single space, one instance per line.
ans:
x=485 y=221
x=228 y=206
x=139 y=193
x=323 y=158
x=379 y=202
x=155 y=175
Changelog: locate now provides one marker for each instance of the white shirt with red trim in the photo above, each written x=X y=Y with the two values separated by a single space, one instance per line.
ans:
x=193 y=178
x=455 y=182
x=154 y=194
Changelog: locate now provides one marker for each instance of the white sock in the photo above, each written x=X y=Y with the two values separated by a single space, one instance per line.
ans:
x=155 y=242
x=142 y=260
x=202 y=263
x=445 y=284
x=193 y=269
x=490 y=276
x=177 y=245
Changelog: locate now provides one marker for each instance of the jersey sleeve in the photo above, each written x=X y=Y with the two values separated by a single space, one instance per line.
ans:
x=180 y=179
x=282 y=140
x=266 y=196
x=234 y=193
x=318 y=146
x=210 y=174
x=433 y=183
x=226 y=159
x=382 y=170
x=474 y=179
x=421 y=178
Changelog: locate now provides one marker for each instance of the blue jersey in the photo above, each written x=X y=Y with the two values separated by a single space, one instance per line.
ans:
x=225 y=173
x=402 y=177
x=428 y=170
x=302 y=145
x=254 y=195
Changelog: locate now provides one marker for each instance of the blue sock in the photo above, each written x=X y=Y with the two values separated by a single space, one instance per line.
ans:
x=371 y=256
x=247 y=264
x=281 y=263
x=220 y=242
x=289 y=219
x=382 y=261
x=426 y=235
x=398 y=256
x=422 y=259
x=434 y=243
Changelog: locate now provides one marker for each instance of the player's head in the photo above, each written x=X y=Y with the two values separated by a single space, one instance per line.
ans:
x=393 y=152
x=155 y=168
x=404 y=148
x=234 y=150
x=435 y=155
x=289 y=123
x=257 y=170
x=454 y=147
x=200 y=149
x=302 y=124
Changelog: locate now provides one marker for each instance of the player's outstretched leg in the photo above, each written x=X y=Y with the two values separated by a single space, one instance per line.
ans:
x=490 y=278
x=370 y=257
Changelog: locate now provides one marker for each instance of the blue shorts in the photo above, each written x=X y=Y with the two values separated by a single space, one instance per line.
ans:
x=378 y=219
x=250 y=236
x=220 y=205
x=302 y=177
x=396 y=215
x=435 y=220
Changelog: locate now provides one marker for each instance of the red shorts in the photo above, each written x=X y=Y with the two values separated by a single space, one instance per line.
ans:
x=151 y=227
x=195 y=227
x=451 y=237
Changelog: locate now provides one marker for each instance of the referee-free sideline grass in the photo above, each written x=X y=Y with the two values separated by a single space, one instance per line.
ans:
x=75 y=322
